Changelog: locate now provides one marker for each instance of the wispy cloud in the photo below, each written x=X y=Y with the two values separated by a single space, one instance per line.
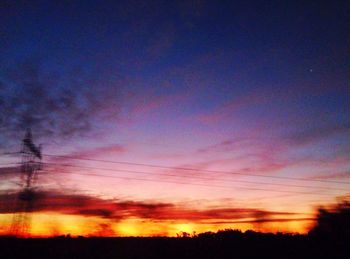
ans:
x=6 y=172
x=63 y=105
x=142 y=104
x=309 y=136
x=231 y=108
x=98 y=151
x=334 y=175
x=250 y=155
x=80 y=204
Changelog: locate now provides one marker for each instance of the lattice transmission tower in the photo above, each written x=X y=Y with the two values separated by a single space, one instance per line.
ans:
x=30 y=166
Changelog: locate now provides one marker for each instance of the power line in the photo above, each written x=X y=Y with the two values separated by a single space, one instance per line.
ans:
x=194 y=169
x=197 y=177
x=109 y=176
x=4 y=164
x=186 y=183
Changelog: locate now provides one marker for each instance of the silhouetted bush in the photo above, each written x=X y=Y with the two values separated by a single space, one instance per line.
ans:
x=208 y=234
x=333 y=222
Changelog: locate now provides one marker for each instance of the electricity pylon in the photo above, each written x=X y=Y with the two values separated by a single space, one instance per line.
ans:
x=30 y=165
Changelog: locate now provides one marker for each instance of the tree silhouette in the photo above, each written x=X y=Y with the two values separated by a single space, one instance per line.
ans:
x=333 y=222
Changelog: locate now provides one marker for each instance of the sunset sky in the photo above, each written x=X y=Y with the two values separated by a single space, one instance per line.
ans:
x=157 y=117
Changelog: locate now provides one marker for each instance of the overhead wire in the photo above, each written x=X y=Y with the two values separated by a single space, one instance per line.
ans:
x=195 y=184
x=196 y=177
x=194 y=169
x=193 y=177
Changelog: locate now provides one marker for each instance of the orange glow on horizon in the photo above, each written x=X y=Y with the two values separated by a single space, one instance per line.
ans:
x=54 y=224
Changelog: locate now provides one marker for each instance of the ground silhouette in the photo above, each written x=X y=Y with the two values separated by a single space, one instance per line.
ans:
x=328 y=239
x=223 y=244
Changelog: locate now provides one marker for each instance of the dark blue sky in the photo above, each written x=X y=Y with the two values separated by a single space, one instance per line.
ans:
x=151 y=37
x=293 y=55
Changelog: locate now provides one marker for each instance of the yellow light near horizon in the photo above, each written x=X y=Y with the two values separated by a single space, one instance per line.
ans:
x=5 y=220
x=128 y=228
x=184 y=227
x=54 y=224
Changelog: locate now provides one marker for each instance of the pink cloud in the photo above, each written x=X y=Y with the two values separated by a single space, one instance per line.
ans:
x=90 y=153
x=230 y=108
x=147 y=103
x=335 y=175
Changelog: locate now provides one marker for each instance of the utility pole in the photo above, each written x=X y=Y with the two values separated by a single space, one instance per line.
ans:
x=30 y=165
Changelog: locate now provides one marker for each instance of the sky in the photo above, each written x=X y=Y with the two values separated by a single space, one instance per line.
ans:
x=162 y=117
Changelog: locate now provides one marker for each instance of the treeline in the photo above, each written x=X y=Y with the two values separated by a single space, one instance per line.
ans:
x=328 y=239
